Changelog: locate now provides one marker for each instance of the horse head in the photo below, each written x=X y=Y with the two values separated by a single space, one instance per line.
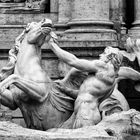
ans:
x=36 y=32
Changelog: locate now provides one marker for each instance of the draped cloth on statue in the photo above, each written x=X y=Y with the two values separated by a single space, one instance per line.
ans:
x=59 y=100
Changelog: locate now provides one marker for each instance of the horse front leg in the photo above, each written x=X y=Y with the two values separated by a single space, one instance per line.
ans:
x=7 y=99
x=33 y=89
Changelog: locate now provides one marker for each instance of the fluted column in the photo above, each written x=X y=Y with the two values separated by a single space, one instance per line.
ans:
x=90 y=22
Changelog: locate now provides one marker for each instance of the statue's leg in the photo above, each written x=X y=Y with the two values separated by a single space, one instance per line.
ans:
x=33 y=89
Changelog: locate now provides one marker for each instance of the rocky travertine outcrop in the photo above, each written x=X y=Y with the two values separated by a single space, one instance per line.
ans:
x=124 y=125
x=118 y=126
x=11 y=131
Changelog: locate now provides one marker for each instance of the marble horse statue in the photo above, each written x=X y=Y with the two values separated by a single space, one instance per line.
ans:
x=27 y=86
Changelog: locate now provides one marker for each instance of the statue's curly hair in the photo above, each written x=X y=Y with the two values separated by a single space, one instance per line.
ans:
x=117 y=60
x=115 y=57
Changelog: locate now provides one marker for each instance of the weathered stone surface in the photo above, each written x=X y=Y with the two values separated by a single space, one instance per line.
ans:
x=64 y=11
x=123 y=124
x=23 y=19
x=119 y=126
x=90 y=10
x=89 y=22
x=54 y=6
x=10 y=131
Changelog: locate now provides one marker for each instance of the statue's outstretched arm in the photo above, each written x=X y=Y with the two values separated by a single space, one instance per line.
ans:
x=72 y=60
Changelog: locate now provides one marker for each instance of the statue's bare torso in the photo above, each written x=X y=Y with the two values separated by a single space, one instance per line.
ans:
x=97 y=86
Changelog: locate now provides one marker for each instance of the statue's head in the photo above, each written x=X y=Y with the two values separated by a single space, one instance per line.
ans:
x=112 y=55
x=36 y=32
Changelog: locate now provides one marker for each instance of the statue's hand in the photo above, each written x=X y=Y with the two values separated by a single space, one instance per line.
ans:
x=51 y=37
x=54 y=38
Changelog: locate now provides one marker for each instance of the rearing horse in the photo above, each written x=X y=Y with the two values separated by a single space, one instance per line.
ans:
x=29 y=88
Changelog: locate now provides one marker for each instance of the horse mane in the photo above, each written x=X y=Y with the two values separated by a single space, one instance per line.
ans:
x=9 y=68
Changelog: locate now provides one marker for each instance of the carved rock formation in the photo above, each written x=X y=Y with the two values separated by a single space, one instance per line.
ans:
x=124 y=125
x=118 y=126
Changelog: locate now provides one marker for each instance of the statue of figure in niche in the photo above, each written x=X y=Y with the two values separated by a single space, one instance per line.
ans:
x=99 y=84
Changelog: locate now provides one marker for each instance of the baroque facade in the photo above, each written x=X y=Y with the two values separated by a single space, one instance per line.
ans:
x=84 y=27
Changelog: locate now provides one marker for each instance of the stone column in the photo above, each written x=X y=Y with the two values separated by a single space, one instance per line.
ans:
x=123 y=15
x=135 y=30
x=90 y=22
x=117 y=16
x=64 y=14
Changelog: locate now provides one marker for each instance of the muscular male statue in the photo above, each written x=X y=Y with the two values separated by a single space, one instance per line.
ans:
x=101 y=80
